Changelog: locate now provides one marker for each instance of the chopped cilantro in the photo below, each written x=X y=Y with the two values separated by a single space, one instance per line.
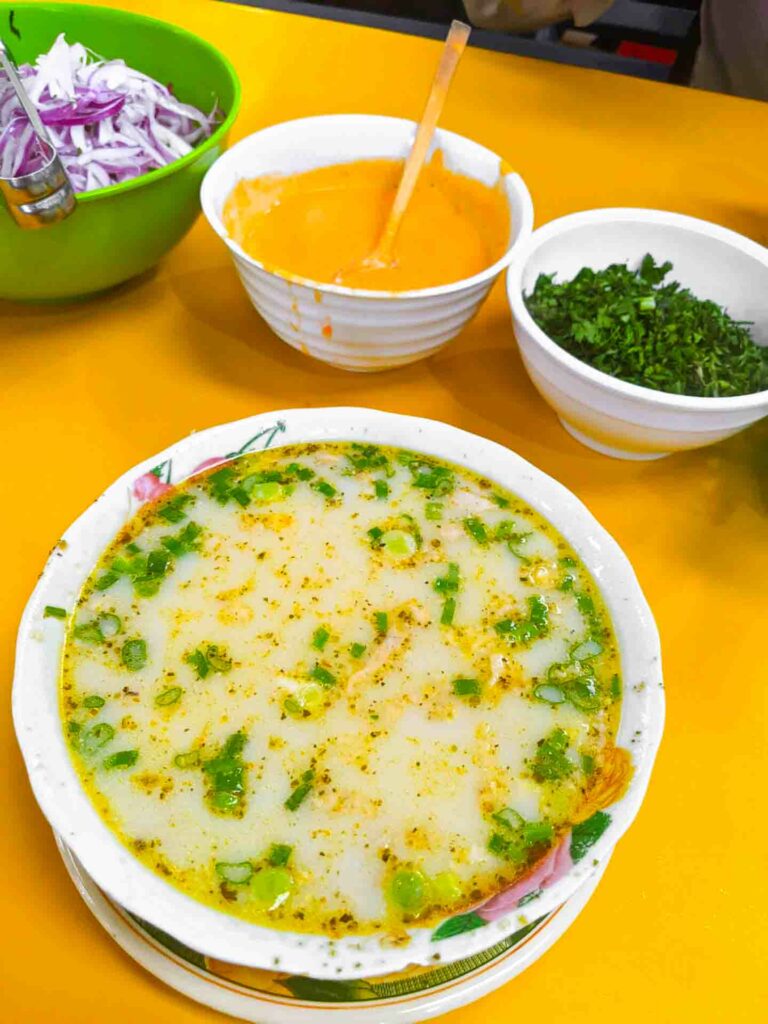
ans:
x=629 y=324
x=551 y=763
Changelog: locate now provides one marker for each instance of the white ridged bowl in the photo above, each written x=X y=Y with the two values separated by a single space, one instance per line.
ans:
x=609 y=415
x=353 y=328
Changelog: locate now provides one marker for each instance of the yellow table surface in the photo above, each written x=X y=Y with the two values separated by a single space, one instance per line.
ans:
x=677 y=929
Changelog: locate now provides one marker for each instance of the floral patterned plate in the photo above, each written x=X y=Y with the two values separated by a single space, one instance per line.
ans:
x=273 y=997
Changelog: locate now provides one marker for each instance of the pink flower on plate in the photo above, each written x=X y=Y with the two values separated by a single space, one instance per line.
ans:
x=149 y=486
x=207 y=463
x=548 y=870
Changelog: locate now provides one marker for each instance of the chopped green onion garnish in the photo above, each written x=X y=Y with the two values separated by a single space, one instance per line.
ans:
x=94 y=701
x=509 y=818
x=52 y=611
x=615 y=687
x=95 y=738
x=449 y=610
x=170 y=696
x=106 y=580
x=300 y=472
x=439 y=480
x=173 y=510
x=272 y=886
x=548 y=693
x=476 y=529
x=121 y=759
x=279 y=855
x=500 y=500
x=446 y=888
x=450 y=583
x=398 y=543
x=88 y=633
x=523 y=631
x=300 y=792
x=587 y=764
x=235 y=874
x=323 y=676
x=199 y=663
x=434 y=511
x=320 y=638
x=507 y=849
x=134 y=654
x=305 y=701
x=587 y=649
x=132 y=548
x=534 y=832
x=357 y=650
x=266 y=491
x=466 y=687
x=324 y=488
x=226 y=772
x=218 y=658
x=381 y=489
x=225 y=800
x=409 y=891
x=381 y=622
x=583 y=693
x=109 y=624
x=189 y=760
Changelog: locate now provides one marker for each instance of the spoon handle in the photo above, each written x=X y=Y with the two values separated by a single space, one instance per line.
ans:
x=452 y=51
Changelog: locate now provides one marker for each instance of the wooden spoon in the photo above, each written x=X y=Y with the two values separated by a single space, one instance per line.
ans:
x=382 y=256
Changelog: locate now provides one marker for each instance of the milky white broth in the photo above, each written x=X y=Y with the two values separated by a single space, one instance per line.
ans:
x=352 y=689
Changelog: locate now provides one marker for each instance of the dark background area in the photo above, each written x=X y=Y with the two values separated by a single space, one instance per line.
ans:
x=656 y=40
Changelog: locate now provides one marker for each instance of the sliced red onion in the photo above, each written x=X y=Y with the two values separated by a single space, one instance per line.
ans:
x=108 y=122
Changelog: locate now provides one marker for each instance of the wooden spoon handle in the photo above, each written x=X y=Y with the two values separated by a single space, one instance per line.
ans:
x=452 y=51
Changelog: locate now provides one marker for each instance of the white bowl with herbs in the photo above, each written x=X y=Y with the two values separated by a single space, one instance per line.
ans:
x=646 y=331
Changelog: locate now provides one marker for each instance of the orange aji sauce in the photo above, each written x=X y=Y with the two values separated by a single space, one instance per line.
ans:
x=321 y=224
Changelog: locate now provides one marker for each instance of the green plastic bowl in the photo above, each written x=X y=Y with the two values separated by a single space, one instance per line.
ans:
x=118 y=232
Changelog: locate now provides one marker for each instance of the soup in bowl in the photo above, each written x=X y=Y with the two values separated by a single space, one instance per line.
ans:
x=340 y=688
x=300 y=205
